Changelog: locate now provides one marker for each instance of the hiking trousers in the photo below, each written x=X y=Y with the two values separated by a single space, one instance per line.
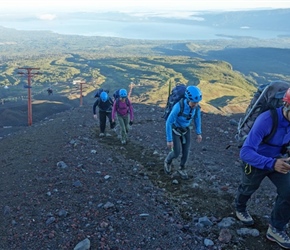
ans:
x=124 y=126
x=251 y=180
x=179 y=143
x=103 y=119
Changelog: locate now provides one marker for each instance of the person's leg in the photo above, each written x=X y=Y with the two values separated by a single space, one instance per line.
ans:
x=185 y=145
x=122 y=129
x=185 y=149
x=102 y=116
x=109 y=115
x=174 y=153
x=126 y=123
x=280 y=215
x=176 y=149
x=251 y=180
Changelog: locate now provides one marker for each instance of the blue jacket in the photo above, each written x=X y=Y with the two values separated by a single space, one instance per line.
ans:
x=262 y=155
x=181 y=121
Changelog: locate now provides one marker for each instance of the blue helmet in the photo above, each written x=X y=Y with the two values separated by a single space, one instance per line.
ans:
x=123 y=93
x=193 y=94
x=104 y=96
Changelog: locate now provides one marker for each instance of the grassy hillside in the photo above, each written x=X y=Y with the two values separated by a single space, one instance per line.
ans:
x=224 y=90
x=227 y=70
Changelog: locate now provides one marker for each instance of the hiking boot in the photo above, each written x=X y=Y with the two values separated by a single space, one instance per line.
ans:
x=123 y=142
x=245 y=217
x=101 y=134
x=167 y=167
x=183 y=174
x=108 y=135
x=279 y=237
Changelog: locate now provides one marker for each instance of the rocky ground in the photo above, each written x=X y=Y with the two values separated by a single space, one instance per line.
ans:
x=62 y=185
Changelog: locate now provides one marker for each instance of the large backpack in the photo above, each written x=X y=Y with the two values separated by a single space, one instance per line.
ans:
x=99 y=91
x=116 y=94
x=267 y=97
x=176 y=95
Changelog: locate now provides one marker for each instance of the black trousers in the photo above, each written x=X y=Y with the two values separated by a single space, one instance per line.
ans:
x=103 y=119
x=251 y=180
x=180 y=143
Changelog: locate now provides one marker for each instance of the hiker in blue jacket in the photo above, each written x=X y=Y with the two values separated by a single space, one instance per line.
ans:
x=268 y=160
x=105 y=103
x=178 y=129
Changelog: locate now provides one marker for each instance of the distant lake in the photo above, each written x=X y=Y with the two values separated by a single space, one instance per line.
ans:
x=137 y=30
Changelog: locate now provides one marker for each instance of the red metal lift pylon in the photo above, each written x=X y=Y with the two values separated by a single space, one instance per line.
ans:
x=29 y=74
x=131 y=88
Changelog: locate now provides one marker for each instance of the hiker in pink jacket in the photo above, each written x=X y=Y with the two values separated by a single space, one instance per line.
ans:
x=123 y=108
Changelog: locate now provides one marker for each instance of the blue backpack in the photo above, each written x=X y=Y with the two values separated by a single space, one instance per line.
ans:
x=177 y=95
x=99 y=91
x=116 y=94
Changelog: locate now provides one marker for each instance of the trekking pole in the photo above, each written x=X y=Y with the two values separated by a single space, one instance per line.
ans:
x=169 y=88
x=254 y=106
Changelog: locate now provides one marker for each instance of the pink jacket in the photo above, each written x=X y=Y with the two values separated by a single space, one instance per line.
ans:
x=122 y=108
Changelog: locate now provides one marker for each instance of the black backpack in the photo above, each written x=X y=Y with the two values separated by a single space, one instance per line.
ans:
x=267 y=97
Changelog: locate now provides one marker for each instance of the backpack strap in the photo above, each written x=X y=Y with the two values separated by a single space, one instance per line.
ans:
x=127 y=102
x=118 y=100
x=274 y=116
x=181 y=103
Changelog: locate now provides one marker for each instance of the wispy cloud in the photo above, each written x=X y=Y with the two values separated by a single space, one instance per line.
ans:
x=48 y=17
x=171 y=14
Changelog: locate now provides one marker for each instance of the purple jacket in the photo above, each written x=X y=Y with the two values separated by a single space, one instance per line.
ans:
x=122 y=109
x=263 y=155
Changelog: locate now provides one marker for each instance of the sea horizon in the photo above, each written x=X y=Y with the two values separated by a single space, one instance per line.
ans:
x=139 y=30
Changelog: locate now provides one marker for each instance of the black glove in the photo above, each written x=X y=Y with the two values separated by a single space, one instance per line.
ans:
x=113 y=125
x=131 y=123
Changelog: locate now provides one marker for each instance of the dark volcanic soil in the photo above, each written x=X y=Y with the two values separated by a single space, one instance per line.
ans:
x=62 y=184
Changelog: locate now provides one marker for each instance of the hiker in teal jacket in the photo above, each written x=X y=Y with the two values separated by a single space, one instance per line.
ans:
x=270 y=160
x=178 y=129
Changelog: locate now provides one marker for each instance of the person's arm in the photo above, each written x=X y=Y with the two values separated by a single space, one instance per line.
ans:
x=95 y=106
x=171 y=120
x=197 y=121
x=249 y=151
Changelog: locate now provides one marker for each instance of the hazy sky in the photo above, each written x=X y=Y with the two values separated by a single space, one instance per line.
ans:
x=48 y=6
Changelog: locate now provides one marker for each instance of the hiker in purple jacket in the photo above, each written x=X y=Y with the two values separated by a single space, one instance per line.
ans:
x=123 y=109
x=270 y=160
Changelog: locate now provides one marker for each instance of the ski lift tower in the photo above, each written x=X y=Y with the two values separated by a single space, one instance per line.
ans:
x=81 y=92
x=132 y=85
x=29 y=74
